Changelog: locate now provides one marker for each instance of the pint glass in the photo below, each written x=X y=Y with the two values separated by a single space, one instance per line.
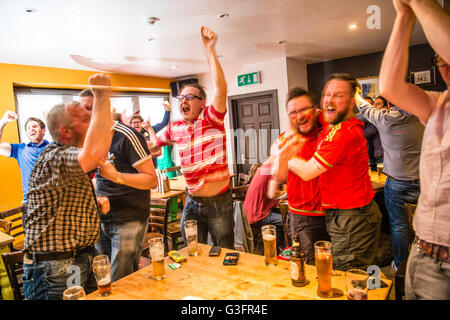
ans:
x=190 y=230
x=102 y=272
x=157 y=254
x=74 y=293
x=324 y=266
x=269 y=235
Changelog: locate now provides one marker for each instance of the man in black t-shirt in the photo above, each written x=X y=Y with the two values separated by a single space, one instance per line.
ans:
x=126 y=179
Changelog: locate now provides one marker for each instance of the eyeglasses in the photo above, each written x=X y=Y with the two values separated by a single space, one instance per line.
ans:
x=301 y=112
x=188 y=97
x=136 y=121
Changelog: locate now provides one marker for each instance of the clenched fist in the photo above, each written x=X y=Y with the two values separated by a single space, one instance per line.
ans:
x=100 y=84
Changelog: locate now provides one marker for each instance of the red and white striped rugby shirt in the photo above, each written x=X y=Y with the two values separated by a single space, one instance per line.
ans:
x=202 y=147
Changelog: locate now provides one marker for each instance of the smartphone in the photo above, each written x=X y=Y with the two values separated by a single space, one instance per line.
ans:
x=231 y=259
x=215 y=251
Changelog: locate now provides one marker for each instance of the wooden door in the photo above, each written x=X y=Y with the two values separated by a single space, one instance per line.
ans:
x=255 y=126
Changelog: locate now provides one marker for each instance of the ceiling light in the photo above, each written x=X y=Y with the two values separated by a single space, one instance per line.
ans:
x=174 y=67
x=151 y=39
x=30 y=10
x=353 y=26
x=223 y=15
x=152 y=20
x=281 y=41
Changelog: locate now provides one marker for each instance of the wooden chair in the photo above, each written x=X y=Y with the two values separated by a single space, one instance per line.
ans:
x=171 y=169
x=159 y=225
x=400 y=274
x=16 y=229
x=238 y=193
x=5 y=226
x=14 y=268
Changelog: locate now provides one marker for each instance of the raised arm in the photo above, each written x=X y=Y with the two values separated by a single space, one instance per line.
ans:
x=165 y=121
x=435 y=23
x=99 y=135
x=393 y=85
x=5 y=147
x=209 y=39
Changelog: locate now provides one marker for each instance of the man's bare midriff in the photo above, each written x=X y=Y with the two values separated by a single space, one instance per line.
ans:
x=211 y=189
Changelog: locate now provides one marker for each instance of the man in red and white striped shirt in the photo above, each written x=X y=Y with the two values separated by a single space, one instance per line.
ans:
x=201 y=141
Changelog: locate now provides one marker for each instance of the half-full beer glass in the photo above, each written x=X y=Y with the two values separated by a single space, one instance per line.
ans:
x=102 y=272
x=190 y=230
x=324 y=266
x=156 y=246
x=269 y=235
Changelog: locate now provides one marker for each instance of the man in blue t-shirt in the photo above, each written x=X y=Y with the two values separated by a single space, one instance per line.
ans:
x=25 y=154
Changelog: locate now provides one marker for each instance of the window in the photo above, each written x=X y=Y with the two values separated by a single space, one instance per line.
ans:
x=37 y=102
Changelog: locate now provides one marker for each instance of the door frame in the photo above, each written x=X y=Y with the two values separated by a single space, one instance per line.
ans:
x=232 y=105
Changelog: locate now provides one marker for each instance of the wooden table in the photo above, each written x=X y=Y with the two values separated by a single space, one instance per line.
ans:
x=205 y=277
x=171 y=193
x=7 y=292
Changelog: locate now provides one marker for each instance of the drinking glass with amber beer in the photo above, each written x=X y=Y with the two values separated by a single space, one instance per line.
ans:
x=101 y=267
x=190 y=230
x=156 y=246
x=269 y=235
x=324 y=266
x=74 y=293
x=356 y=281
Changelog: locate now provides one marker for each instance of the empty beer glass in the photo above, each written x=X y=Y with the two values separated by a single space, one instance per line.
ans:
x=74 y=293
x=324 y=266
x=156 y=246
x=190 y=230
x=269 y=235
x=356 y=282
x=101 y=267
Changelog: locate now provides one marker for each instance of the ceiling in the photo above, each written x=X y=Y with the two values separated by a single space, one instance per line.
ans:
x=113 y=35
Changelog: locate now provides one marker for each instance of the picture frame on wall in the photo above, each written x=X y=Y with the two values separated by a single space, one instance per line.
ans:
x=423 y=76
x=369 y=86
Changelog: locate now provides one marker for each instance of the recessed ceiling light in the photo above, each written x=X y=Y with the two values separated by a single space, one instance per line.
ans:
x=174 y=67
x=152 y=20
x=281 y=41
x=353 y=26
x=30 y=10
x=223 y=15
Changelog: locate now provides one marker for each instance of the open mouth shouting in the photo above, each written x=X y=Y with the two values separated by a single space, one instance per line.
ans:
x=185 y=109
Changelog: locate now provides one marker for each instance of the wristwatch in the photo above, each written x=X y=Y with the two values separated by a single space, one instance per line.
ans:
x=119 y=179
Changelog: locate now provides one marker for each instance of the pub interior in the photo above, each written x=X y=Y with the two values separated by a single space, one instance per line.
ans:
x=227 y=150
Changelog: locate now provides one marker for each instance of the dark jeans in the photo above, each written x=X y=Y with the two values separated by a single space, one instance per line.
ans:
x=273 y=218
x=396 y=194
x=47 y=280
x=214 y=215
x=354 y=234
x=310 y=230
x=122 y=243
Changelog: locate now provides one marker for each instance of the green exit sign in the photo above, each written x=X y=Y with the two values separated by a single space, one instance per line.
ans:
x=248 y=79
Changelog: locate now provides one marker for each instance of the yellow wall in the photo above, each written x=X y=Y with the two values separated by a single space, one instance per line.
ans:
x=11 y=74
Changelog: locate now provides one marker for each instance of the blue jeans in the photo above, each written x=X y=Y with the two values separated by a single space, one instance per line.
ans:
x=47 y=280
x=426 y=278
x=396 y=194
x=213 y=215
x=122 y=242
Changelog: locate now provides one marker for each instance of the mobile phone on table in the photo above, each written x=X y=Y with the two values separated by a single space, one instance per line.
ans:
x=231 y=259
x=215 y=251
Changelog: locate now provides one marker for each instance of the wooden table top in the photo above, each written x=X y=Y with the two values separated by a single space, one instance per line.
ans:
x=5 y=239
x=171 y=193
x=177 y=183
x=207 y=278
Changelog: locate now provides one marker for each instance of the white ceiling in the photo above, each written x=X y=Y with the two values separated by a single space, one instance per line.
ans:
x=112 y=35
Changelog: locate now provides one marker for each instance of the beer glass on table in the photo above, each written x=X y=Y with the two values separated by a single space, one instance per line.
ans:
x=101 y=266
x=269 y=235
x=156 y=246
x=190 y=230
x=74 y=293
x=356 y=282
x=324 y=267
